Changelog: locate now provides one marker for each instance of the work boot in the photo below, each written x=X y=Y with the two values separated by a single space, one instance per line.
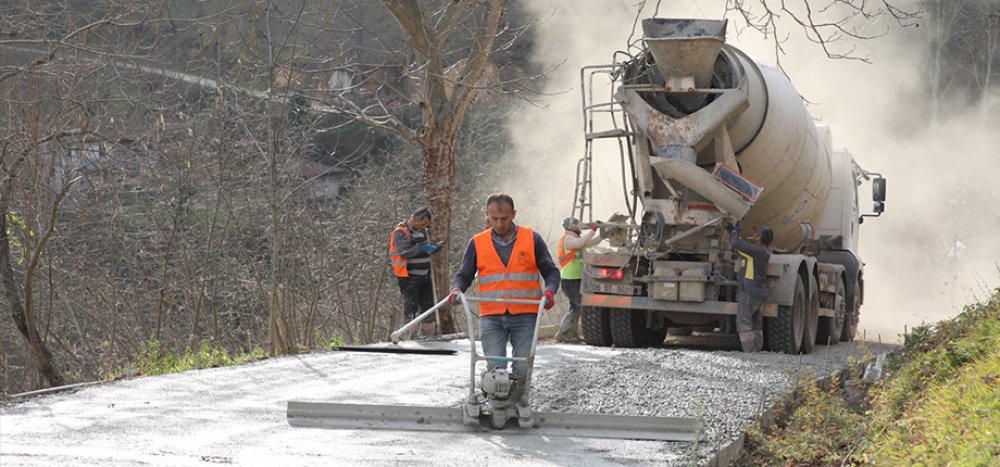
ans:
x=758 y=340
x=747 y=341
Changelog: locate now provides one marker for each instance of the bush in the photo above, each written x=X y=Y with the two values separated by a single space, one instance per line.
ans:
x=153 y=360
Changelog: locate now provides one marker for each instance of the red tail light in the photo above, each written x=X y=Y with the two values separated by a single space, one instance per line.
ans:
x=599 y=272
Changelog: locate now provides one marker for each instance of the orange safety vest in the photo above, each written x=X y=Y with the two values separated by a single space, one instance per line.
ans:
x=520 y=279
x=566 y=256
x=398 y=262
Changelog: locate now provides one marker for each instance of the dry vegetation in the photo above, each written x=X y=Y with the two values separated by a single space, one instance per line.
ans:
x=200 y=177
x=157 y=199
x=937 y=405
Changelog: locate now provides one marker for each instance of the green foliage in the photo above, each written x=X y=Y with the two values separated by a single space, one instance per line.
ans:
x=298 y=107
x=938 y=355
x=328 y=342
x=943 y=402
x=939 y=405
x=954 y=422
x=153 y=360
x=15 y=233
x=816 y=428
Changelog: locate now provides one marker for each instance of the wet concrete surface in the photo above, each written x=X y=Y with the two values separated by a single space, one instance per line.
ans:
x=236 y=415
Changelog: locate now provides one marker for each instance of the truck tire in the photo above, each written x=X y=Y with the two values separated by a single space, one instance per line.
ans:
x=830 y=329
x=628 y=329
x=656 y=337
x=596 y=327
x=853 y=314
x=811 y=323
x=784 y=332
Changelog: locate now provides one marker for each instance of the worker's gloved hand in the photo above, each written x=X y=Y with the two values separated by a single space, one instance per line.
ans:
x=429 y=248
x=732 y=229
x=453 y=296
x=550 y=299
x=593 y=227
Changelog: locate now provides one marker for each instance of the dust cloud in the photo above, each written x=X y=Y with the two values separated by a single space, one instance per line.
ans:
x=935 y=249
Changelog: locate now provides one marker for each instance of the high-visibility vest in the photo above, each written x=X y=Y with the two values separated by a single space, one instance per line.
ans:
x=520 y=279
x=569 y=260
x=398 y=262
x=565 y=256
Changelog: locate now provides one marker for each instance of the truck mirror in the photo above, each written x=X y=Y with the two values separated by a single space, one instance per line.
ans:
x=879 y=207
x=878 y=190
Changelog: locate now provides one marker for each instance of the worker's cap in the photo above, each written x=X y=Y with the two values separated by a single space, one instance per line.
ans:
x=571 y=223
x=766 y=235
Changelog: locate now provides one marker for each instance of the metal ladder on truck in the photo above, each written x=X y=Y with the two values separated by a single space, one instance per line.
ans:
x=610 y=110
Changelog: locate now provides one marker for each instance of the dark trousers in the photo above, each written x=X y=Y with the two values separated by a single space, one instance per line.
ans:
x=748 y=313
x=418 y=296
x=567 y=327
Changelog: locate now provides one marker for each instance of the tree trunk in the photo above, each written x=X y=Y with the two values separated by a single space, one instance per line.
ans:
x=21 y=315
x=439 y=183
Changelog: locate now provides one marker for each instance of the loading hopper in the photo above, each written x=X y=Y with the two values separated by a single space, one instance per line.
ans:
x=684 y=49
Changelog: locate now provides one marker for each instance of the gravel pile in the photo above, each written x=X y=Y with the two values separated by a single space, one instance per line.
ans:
x=725 y=389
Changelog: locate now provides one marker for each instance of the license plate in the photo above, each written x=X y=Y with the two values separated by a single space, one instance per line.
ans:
x=616 y=289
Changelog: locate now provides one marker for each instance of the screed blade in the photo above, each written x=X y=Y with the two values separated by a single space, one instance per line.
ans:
x=449 y=419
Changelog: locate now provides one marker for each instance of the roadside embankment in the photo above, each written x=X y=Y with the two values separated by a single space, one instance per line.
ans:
x=936 y=402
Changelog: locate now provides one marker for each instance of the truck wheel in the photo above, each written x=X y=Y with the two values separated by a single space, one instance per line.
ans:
x=596 y=327
x=830 y=329
x=784 y=332
x=655 y=337
x=628 y=329
x=812 y=318
x=853 y=314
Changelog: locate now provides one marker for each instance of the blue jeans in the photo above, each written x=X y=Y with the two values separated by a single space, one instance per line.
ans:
x=496 y=330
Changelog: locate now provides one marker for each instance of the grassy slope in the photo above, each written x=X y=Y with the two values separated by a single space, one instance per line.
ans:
x=938 y=405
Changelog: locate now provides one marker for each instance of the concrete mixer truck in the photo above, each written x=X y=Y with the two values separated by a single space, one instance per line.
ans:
x=708 y=136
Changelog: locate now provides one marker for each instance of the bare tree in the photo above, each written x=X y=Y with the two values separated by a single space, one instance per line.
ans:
x=444 y=53
x=943 y=16
x=45 y=112
x=832 y=26
x=170 y=168
x=19 y=294
x=979 y=43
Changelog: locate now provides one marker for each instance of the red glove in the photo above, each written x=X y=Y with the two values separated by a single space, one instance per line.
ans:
x=453 y=296
x=594 y=228
x=550 y=299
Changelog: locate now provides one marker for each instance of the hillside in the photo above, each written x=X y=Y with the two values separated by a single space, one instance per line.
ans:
x=938 y=403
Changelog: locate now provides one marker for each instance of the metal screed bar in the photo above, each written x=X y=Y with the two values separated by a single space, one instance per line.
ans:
x=417 y=418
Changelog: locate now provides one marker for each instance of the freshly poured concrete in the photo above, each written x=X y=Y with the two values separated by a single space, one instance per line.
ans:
x=236 y=415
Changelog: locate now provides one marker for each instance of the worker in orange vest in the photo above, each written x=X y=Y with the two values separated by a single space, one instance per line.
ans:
x=509 y=261
x=571 y=248
x=410 y=253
